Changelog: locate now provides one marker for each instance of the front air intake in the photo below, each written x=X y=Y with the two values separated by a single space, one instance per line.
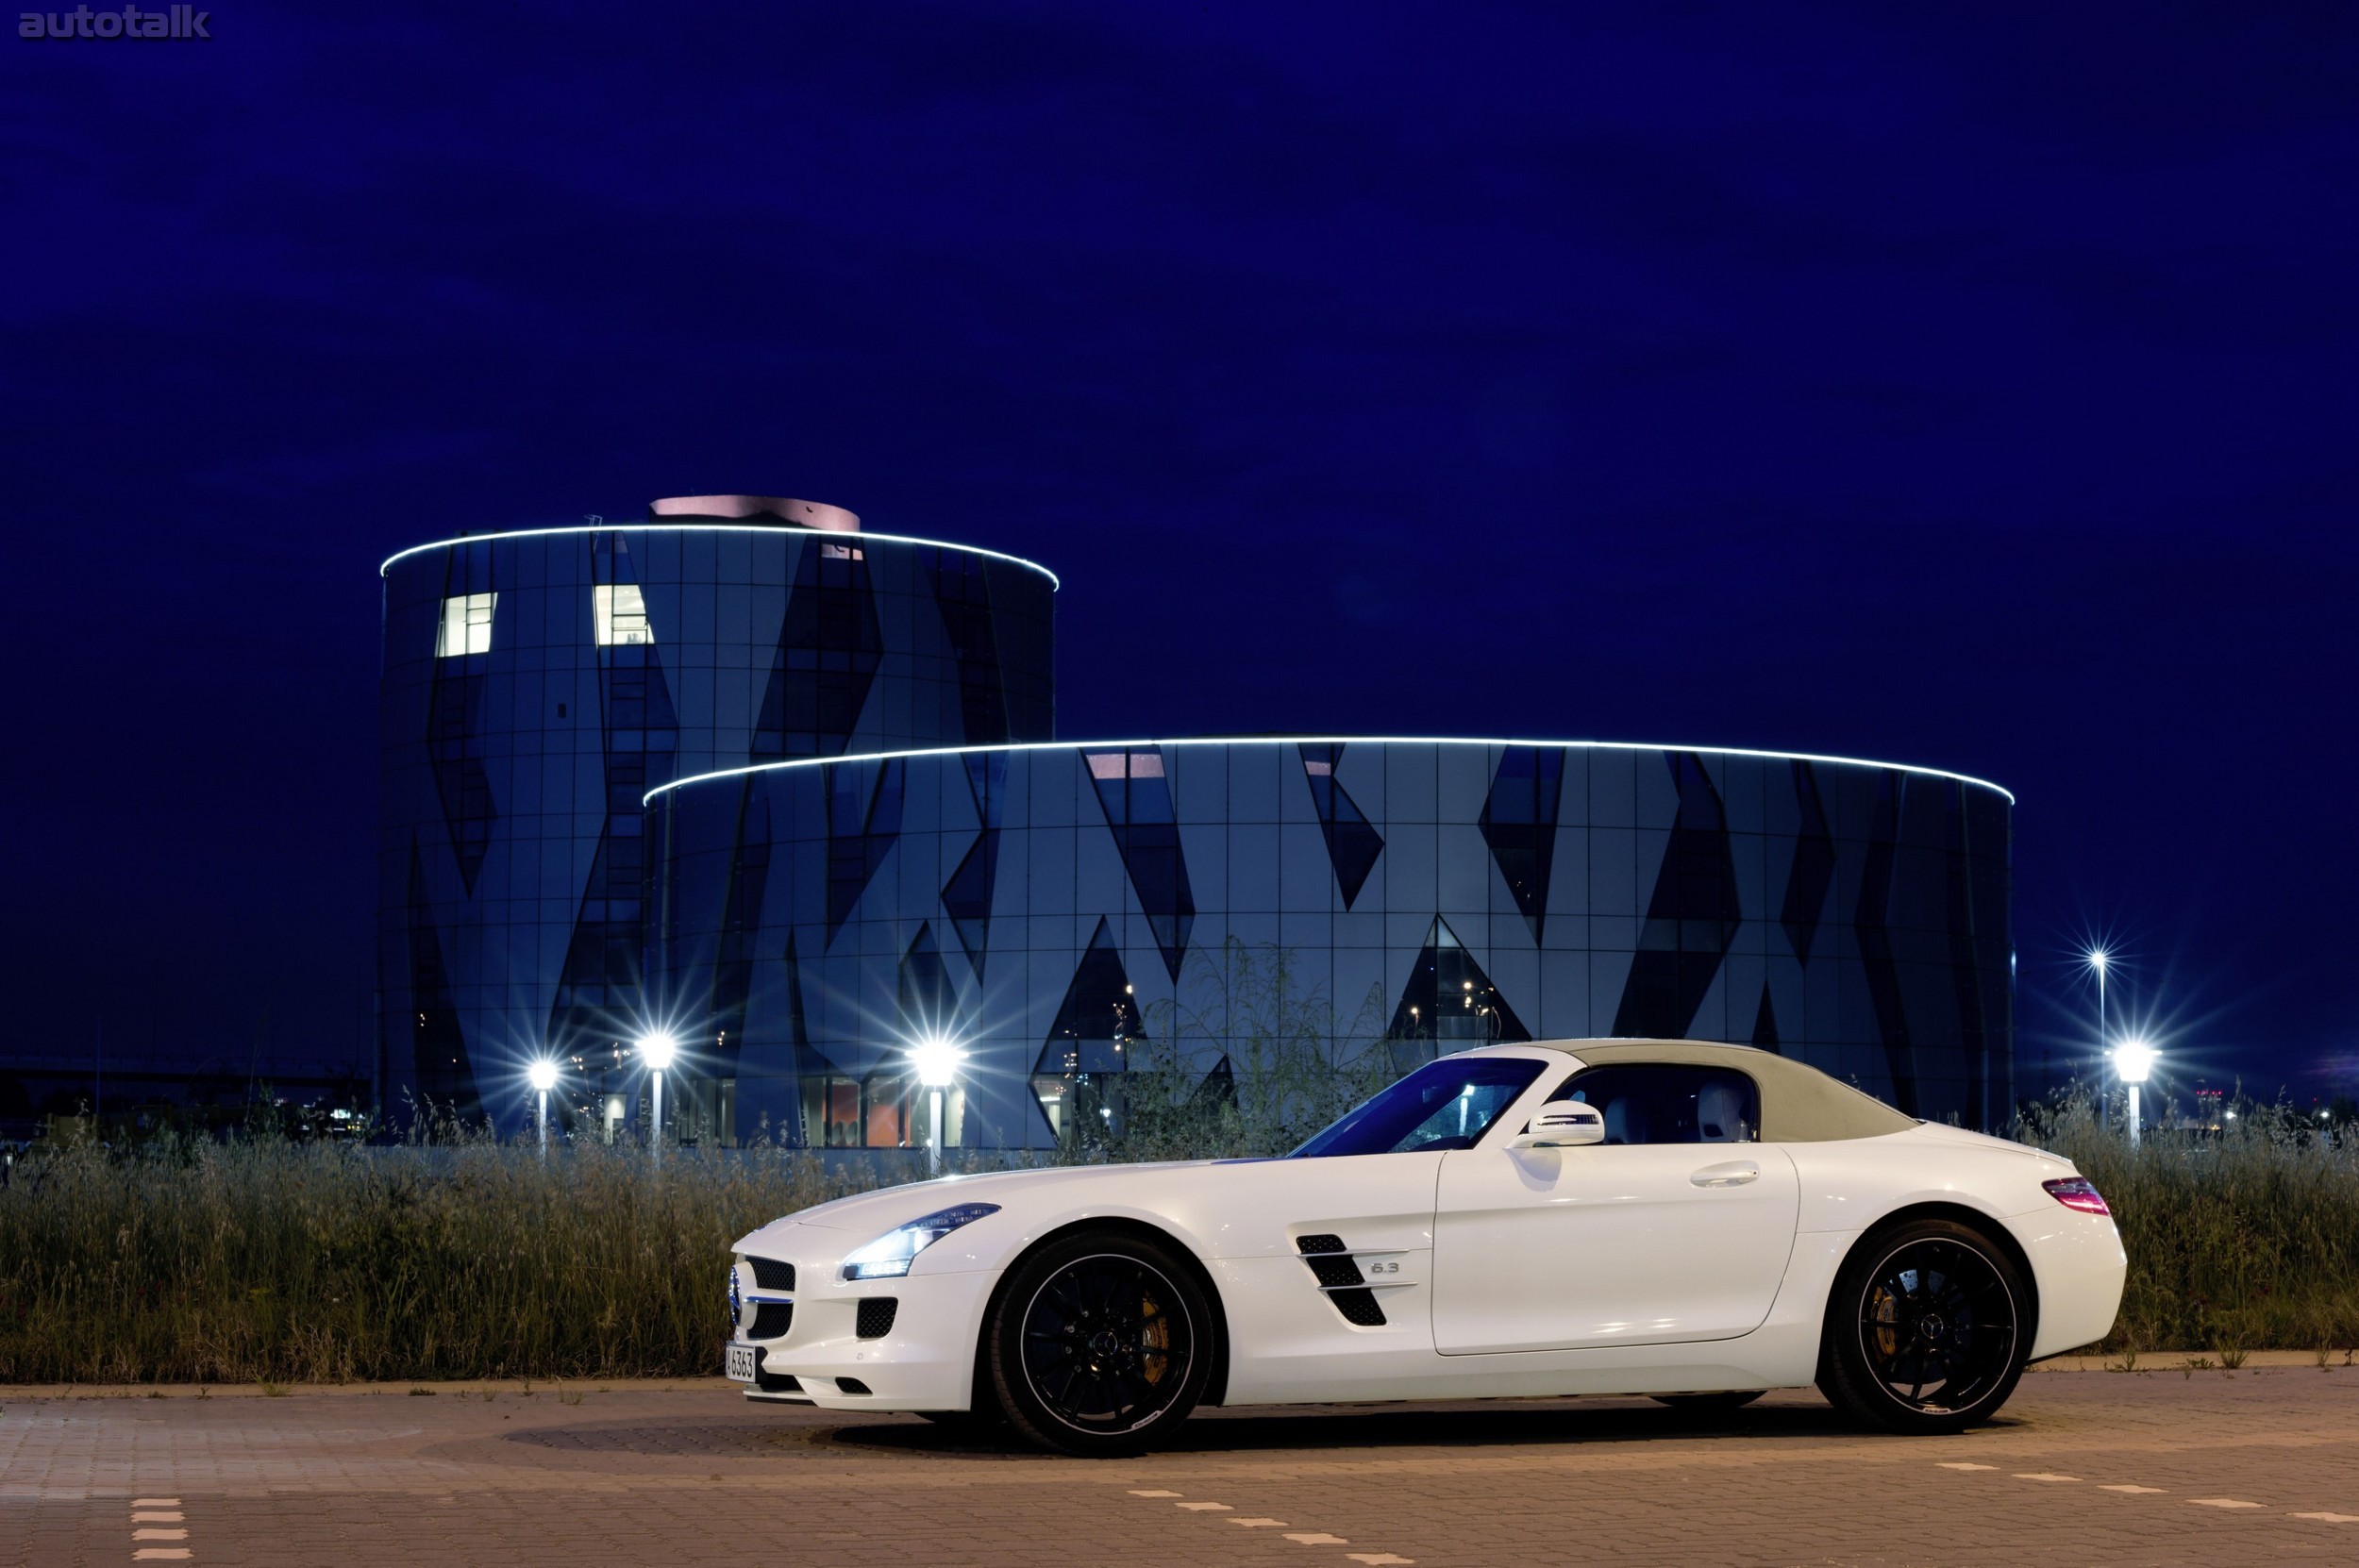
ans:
x=772 y=1319
x=874 y=1320
x=771 y=1275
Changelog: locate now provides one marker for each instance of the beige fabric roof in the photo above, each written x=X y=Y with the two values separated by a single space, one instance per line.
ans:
x=1798 y=1104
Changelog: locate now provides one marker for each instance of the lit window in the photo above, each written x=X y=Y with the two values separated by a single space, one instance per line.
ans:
x=621 y=611
x=466 y=626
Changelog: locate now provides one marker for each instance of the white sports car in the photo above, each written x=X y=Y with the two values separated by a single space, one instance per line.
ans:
x=1694 y=1222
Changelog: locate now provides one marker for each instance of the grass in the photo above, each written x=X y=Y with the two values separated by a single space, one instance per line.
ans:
x=265 y=1262
x=2243 y=1240
x=271 y=1262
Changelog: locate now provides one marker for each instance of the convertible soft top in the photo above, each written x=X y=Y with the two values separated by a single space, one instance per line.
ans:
x=1799 y=1102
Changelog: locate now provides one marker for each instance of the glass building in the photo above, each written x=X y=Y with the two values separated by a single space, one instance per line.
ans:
x=1047 y=908
x=536 y=683
x=790 y=792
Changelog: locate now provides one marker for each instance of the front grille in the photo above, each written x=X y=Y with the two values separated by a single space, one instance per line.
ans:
x=1333 y=1267
x=771 y=1275
x=875 y=1319
x=772 y=1319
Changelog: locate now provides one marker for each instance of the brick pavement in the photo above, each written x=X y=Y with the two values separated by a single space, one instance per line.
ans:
x=2086 y=1468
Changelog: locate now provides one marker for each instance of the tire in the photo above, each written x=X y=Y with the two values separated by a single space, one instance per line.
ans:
x=1699 y=1404
x=1100 y=1345
x=1927 y=1331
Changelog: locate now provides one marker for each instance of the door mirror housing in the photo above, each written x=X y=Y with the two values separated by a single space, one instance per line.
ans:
x=1563 y=1124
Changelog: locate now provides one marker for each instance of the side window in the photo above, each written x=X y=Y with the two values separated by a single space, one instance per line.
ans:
x=1670 y=1103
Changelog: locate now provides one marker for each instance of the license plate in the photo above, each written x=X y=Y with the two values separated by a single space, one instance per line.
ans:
x=740 y=1364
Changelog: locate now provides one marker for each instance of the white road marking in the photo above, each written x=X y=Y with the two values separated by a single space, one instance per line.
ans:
x=1152 y=1492
x=1260 y=1523
x=160 y=1516
x=160 y=1535
x=2332 y=1518
x=1960 y=1464
x=1377 y=1559
x=145 y=1553
x=154 y=1502
x=1203 y=1507
x=1315 y=1538
x=2137 y=1490
x=2223 y=1503
x=2043 y=1475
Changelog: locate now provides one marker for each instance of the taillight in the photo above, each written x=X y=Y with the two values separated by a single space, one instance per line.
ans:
x=2077 y=1192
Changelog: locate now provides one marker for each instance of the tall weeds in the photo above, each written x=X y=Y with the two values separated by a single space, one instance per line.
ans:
x=257 y=1260
x=2247 y=1238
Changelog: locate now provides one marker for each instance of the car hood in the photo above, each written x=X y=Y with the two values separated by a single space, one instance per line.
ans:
x=888 y=1208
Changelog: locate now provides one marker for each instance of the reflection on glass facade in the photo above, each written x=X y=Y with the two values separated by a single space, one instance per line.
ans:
x=1049 y=907
x=536 y=685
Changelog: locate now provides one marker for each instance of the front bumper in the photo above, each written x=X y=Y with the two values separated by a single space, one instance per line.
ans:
x=924 y=1361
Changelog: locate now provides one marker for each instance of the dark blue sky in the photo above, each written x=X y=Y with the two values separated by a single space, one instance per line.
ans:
x=1966 y=387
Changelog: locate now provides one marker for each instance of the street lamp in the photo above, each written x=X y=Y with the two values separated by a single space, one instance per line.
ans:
x=656 y=1050
x=2133 y=1061
x=2097 y=958
x=937 y=1062
x=542 y=1075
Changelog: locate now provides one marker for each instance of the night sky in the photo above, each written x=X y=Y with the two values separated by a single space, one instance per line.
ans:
x=1943 y=385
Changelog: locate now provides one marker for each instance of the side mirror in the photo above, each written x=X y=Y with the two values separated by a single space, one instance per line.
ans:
x=1563 y=1124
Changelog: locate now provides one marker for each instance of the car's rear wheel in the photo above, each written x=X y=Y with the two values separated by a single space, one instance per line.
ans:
x=1100 y=1345
x=1926 y=1331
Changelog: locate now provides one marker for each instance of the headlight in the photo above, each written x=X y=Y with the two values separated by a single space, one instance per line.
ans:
x=888 y=1257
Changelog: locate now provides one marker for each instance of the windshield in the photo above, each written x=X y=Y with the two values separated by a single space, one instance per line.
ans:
x=1442 y=1105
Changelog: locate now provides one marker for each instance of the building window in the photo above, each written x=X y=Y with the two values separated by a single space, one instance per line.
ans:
x=466 y=626
x=621 y=611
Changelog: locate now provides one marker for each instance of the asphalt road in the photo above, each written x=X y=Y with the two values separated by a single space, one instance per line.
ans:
x=2090 y=1467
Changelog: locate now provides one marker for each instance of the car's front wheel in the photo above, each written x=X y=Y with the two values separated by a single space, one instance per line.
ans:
x=1926 y=1331
x=1101 y=1343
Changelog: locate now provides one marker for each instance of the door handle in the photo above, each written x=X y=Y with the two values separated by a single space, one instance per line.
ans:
x=1736 y=1173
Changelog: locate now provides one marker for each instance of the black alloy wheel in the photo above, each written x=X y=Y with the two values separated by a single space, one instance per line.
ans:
x=1099 y=1343
x=1926 y=1331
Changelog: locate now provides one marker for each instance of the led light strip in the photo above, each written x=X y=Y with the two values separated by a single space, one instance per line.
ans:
x=648 y=798
x=774 y=529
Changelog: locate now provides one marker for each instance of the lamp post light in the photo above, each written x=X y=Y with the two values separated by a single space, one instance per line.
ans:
x=542 y=1075
x=2133 y=1061
x=937 y=1062
x=656 y=1050
x=2098 y=959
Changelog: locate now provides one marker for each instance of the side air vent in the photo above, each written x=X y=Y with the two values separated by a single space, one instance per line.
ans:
x=771 y=1275
x=851 y=1385
x=1340 y=1277
x=875 y=1318
x=772 y=1319
x=778 y=1382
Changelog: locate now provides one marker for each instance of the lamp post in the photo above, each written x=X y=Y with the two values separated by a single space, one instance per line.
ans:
x=2133 y=1061
x=2098 y=959
x=543 y=1075
x=656 y=1050
x=937 y=1062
